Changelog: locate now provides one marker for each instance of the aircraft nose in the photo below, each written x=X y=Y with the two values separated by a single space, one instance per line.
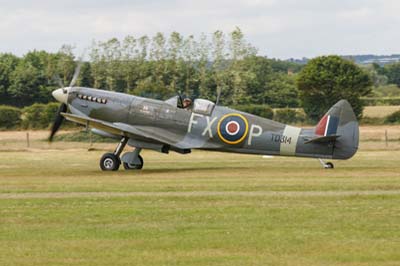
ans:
x=61 y=95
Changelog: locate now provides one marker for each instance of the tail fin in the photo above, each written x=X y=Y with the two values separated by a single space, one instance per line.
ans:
x=340 y=123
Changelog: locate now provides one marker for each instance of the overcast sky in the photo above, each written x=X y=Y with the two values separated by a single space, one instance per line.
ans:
x=278 y=28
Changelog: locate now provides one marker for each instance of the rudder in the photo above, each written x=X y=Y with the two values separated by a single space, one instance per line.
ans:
x=340 y=122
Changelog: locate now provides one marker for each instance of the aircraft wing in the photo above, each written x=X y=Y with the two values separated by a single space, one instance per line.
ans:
x=102 y=125
x=166 y=136
x=150 y=133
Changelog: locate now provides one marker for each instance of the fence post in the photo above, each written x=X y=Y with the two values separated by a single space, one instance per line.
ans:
x=27 y=140
x=386 y=138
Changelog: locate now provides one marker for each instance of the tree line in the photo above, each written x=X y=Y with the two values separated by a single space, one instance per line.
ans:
x=222 y=64
x=158 y=67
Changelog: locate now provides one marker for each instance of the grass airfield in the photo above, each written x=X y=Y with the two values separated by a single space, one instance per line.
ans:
x=58 y=208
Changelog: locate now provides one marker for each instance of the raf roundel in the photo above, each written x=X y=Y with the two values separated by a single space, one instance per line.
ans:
x=233 y=128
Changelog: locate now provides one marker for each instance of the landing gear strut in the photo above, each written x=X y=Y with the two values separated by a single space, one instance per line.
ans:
x=111 y=161
x=327 y=165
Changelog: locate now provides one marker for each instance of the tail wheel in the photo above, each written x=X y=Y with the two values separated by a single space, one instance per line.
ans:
x=130 y=166
x=329 y=165
x=109 y=162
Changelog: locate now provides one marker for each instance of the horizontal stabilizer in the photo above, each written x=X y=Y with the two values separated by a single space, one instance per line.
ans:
x=322 y=139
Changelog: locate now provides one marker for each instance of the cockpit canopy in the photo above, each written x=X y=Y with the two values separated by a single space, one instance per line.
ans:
x=175 y=101
x=200 y=106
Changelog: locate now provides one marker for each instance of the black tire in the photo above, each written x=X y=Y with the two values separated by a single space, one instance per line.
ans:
x=129 y=166
x=329 y=165
x=109 y=162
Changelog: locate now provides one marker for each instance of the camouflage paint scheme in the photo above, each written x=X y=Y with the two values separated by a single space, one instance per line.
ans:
x=162 y=126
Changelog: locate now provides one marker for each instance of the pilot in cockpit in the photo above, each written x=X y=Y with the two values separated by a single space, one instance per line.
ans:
x=186 y=103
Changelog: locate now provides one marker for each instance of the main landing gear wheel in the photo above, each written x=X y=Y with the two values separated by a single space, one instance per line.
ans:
x=130 y=166
x=110 y=162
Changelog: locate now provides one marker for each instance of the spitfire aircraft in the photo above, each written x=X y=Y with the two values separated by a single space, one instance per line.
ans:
x=182 y=125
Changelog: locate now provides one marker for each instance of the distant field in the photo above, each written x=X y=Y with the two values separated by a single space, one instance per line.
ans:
x=57 y=208
x=380 y=111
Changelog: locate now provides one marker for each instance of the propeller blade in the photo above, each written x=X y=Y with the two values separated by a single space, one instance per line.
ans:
x=57 y=121
x=76 y=74
x=78 y=69
x=219 y=90
x=58 y=80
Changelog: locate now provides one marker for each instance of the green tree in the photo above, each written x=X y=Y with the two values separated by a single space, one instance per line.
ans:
x=158 y=58
x=64 y=65
x=37 y=59
x=327 y=79
x=174 y=62
x=285 y=66
x=85 y=77
x=281 y=91
x=261 y=70
x=219 y=66
x=112 y=55
x=8 y=63
x=240 y=73
x=28 y=85
x=392 y=71
x=130 y=62
x=186 y=65
x=98 y=66
x=31 y=79
x=202 y=53
x=374 y=71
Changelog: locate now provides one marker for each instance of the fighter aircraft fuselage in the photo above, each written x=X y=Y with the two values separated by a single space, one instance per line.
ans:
x=203 y=125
